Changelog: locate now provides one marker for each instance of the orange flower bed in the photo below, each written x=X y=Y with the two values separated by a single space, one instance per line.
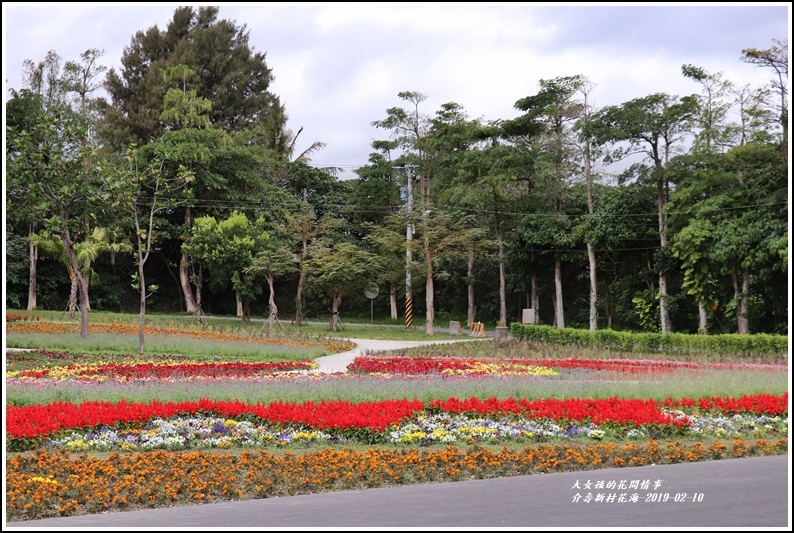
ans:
x=53 y=484
x=332 y=345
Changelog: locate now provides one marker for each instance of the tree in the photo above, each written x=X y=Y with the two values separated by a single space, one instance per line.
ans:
x=301 y=226
x=227 y=248
x=339 y=269
x=43 y=85
x=714 y=135
x=555 y=109
x=230 y=74
x=47 y=172
x=274 y=259
x=44 y=78
x=142 y=190
x=589 y=157
x=409 y=133
x=86 y=252
x=729 y=213
x=620 y=227
x=654 y=126
x=389 y=240
x=22 y=111
x=272 y=132
x=776 y=58
x=80 y=79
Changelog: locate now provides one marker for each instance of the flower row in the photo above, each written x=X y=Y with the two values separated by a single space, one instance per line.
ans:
x=15 y=317
x=162 y=370
x=539 y=367
x=46 y=484
x=203 y=432
x=40 y=421
x=332 y=345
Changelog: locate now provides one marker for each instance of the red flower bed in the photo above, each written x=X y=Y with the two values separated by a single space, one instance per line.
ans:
x=42 y=420
x=598 y=411
x=14 y=317
x=761 y=403
x=434 y=365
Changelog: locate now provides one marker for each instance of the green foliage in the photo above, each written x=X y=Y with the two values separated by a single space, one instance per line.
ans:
x=671 y=343
x=227 y=249
x=232 y=76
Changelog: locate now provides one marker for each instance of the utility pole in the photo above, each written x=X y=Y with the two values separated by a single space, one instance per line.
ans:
x=409 y=232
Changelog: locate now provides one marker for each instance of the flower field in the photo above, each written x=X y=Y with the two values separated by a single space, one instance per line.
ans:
x=212 y=442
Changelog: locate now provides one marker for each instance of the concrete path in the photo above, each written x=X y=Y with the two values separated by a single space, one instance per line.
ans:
x=338 y=362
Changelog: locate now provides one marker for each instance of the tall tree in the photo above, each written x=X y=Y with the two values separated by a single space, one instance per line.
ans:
x=44 y=86
x=776 y=58
x=47 y=172
x=230 y=74
x=409 y=132
x=556 y=108
x=654 y=126
x=143 y=190
x=589 y=157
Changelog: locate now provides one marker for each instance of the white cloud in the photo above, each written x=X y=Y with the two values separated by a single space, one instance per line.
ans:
x=339 y=66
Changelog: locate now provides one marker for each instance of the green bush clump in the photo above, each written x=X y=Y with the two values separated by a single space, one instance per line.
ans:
x=671 y=343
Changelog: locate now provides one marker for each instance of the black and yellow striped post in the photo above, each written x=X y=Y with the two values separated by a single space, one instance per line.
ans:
x=409 y=311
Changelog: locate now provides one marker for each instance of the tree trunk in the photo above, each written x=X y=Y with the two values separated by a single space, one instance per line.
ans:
x=301 y=280
x=664 y=315
x=702 y=319
x=34 y=257
x=559 y=315
x=88 y=286
x=142 y=315
x=271 y=300
x=246 y=312
x=184 y=265
x=199 y=282
x=533 y=284
x=73 y=290
x=239 y=299
x=429 y=314
x=336 y=302
x=661 y=194
x=591 y=258
x=743 y=300
x=470 y=287
x=393 y=300
x=184 y=280
x=82 y=283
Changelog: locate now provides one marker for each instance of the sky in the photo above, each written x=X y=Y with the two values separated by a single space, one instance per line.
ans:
x=339 y=66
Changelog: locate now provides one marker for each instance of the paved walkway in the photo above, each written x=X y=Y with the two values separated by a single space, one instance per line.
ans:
x=338 y=362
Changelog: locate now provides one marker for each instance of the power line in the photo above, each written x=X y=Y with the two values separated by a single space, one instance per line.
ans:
x=346 y=208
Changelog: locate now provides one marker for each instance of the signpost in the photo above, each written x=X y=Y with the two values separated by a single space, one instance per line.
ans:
x=371 y=292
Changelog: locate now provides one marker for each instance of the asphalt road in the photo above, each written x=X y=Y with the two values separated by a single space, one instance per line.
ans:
x=732 y=493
